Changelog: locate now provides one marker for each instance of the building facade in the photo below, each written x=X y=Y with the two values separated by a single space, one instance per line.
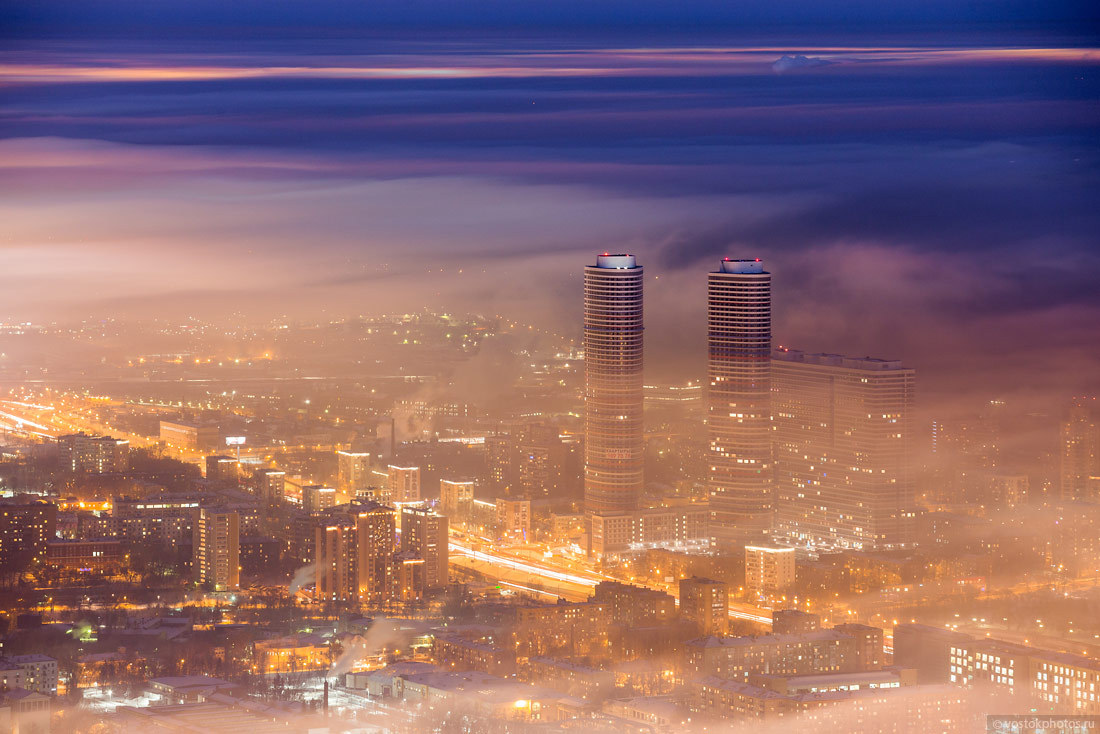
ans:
x=1079 y=454
x=404 y=483
x=83 y=454
x=768 y=569
x=613 y=398
x=706 y=602
x=216 y=543
x=738 y=403
x=355 y=547
x=424 y=532
x=844 y=450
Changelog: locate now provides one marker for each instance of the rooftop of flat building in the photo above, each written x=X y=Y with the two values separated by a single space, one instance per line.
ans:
x=825 y=359
x=180 y=682
x=747 y=266
x=750 y=640
x=567 y=665
x=31 y=658
x=837 y=679
x=617 y=261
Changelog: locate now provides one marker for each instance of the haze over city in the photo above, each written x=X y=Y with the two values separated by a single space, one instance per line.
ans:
x=545 y=366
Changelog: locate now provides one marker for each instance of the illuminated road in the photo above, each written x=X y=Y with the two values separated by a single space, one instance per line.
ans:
x=553 y=579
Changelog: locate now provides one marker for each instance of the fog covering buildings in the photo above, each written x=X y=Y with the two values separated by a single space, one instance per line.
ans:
x=482 y=480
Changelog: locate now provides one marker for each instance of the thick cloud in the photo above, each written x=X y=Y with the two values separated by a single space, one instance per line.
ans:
x=931 y=202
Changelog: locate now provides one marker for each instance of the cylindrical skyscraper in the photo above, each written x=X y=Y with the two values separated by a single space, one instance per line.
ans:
x=739 y=337
x=613 y=439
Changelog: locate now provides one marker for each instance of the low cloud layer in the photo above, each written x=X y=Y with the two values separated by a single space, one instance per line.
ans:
x=932 y=204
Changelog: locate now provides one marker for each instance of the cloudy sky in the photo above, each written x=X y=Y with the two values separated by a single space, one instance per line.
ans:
x=923 y=179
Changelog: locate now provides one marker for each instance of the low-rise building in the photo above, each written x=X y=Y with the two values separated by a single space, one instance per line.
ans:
x=294 y=654
x=178 y=689
x=823 y=651
x=572 y=679
x=611 y=534
x=39 y=672
x=565 y=629
x=635 y=606
x=93 y=554
x=456 y=653
x=1059 y=683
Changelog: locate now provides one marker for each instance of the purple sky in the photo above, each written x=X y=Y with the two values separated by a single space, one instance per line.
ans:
x=918 y=195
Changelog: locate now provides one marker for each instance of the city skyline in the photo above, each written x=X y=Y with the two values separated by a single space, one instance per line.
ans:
x=617 y=366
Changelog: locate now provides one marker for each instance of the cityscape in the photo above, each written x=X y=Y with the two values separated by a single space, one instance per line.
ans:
x=549 y=368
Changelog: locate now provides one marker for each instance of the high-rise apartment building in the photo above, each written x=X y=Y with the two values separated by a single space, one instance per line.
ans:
x=514 y=518
x=222 y=468
x=353 y=472
x=706 y=603
x=844 y=450
x=499 y=467
x=539 y=458
x=1079 y=465
x=404 y=483
x=408 y=582
x=25 y=529
x=424 y=532
x=216 y=544
x=456 y=499
x=317 y=498
x=84 y=454
x=739 y=333
x=613 y=398
x=355 y=549
x=768 y=569
x=270 y=485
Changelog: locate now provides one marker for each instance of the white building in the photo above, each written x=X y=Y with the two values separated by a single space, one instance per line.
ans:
x=39 y=672
x=767 y=569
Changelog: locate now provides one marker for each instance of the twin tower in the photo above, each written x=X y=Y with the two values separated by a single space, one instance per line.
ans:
x=738 y=393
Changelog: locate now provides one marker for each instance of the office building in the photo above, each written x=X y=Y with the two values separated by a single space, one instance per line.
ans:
x=83 y=454
x=740 y=473
x=844 y=450
x=768 y=569
x=190 y=436
x=613 y=399
x=706 y=603
x=1079 y=453
x=404 y=483
x=216 y=544
x=616 y=533
x=424 y=532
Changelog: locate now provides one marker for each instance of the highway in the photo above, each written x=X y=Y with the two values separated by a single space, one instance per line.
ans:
x=558 y=580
